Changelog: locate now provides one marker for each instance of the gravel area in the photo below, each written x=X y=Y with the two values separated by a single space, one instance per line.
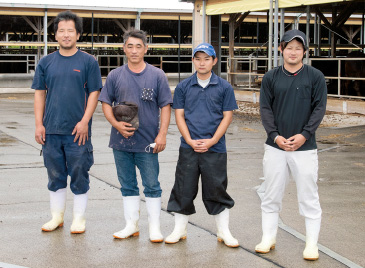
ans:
x=252 y=110
x=331 y=119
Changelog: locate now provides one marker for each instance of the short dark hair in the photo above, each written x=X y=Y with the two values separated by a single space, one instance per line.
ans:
x=68 y=15
x=136 y=34
x=284 y=44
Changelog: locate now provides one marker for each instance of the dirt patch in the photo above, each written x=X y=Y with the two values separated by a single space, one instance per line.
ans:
x=6 y=140
x=17 y=96
x=352 y=136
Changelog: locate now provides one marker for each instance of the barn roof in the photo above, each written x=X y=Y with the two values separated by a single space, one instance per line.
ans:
x=216 y=7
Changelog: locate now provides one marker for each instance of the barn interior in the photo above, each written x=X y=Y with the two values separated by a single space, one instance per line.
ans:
x=335 y=33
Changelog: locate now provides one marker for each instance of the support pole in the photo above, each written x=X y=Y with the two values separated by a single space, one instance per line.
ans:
x=45 y=33
x=178 y=50
x=282 y=30
x=216 y=37
x=204 y=22
x=276 y=30
x=315 y=34
x=269 y=65
x=333 y=36
x=308 y=33
x=138 y=21
x=219 y=71
x=39 y=37
x=319 y=40
x=329 y=42
x=231 y=50
x=257 y=30
x=98 y=30
x=92 y=32
x=363 y=33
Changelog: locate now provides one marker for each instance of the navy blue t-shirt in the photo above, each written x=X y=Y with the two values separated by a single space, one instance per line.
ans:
x=148 y=89
x=68 y=81
x=204 y=107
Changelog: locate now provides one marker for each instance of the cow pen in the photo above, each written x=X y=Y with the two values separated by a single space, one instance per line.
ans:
x=345 y=77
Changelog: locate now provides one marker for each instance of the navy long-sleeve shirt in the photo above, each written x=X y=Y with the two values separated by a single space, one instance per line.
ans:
x=293 y=104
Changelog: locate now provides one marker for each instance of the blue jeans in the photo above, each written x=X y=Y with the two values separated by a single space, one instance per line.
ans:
x=148 y=166
x=62 y=157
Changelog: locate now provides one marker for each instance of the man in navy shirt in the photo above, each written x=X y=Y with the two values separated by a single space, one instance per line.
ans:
x=293 y=101
x=145 y=86
x=204 y=105
x=67 y=85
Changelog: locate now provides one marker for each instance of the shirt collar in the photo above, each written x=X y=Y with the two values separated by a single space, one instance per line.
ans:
x=213 y=79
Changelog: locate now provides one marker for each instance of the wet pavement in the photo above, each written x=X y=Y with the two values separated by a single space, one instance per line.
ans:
x=24 y=203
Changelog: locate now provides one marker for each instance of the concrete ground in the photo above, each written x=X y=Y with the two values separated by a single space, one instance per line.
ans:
x=24 y=203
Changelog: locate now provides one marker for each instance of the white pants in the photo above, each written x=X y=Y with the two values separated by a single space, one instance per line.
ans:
x=303 y=167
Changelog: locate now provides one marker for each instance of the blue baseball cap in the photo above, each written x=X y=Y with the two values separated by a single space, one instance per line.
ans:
x=206 y=48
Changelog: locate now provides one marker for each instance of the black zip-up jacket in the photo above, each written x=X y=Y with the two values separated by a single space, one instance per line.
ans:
x=293 y=104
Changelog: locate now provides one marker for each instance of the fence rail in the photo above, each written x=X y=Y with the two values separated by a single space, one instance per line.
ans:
x=110 y=62
x=8 y=60
x=168 y=63
x=345 y=77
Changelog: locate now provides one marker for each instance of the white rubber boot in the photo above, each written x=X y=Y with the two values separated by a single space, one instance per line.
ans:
x=269 y=230
x=224 y=234
x=58 y=205
x=154 y=210
x=131 y=215
x=180 y=230
x=312 y=232
x=78 y=223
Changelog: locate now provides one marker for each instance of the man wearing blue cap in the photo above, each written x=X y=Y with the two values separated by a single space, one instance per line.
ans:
x=204 y=105
x=292 y=104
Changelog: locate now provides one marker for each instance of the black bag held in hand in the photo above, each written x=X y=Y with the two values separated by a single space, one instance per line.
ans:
x=127 y=112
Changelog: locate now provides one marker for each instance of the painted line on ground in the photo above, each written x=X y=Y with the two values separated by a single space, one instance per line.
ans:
x=7 y=265
x=260 y=190
x=327 y=149
x=198 y=226
x=321 y=248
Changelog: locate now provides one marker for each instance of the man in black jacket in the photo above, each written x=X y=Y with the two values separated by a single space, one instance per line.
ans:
x=292 y=104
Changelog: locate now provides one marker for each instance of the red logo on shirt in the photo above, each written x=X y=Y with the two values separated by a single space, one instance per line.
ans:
x=77 y=70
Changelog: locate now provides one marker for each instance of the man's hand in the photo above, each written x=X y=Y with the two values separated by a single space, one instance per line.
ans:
x=40 y=134
x=160 y=143
x=81 y=131
x=197 y=146
x=201 y=146
x=296 y=141
x=125 y=129
x=283 y=143
x=205 y=144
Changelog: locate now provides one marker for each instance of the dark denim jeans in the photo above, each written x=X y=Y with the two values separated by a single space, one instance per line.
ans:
x=62 y=157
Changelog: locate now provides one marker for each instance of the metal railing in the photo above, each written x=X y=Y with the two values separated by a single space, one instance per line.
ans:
x=246 y=73
x=343 y=75
x=30 y=60
x=168 y=63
